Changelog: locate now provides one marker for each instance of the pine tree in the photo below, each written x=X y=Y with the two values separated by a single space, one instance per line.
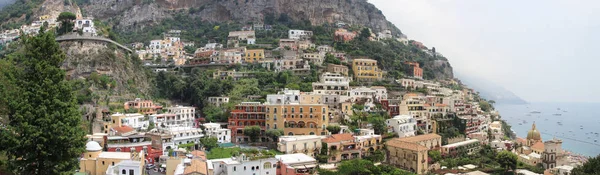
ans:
x=44 y=133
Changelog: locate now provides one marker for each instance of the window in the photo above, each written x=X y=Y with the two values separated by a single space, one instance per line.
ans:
x=102 y=162
x=301 y=110
x=123 y=172
x=131 y=172
x=244 y=168
x=118 y=150
x=234 y=168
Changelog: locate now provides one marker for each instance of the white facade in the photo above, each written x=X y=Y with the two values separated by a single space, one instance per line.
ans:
x=332 y=83
x=403 y=125
x=134 y=120
x=127 y=167
x=217 y=101
x=292 y=144
x=85 y=25
x=286 y=97
x=243 y=165
x=184 y=135
x=183 y=116
x=299 y=34
x=214 y=130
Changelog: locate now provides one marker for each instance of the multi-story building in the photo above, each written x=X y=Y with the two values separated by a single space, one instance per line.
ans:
x=496 y=129
x=296 y=164
x=96 y=162
x=332 y=83
x=334 y=68
x=316 y=58
x=133 y=143
x=254 y=55
x=553 y=155
x=408 y=156
x=403 y=125
x=184 y=116
x=298 y=66
x=368 y=143
x=467 y=147
x=429 y=141
x=307 y=144
x=230 y=56
x=236 y=36
x=305 y=44
x=415 y=70
x=246 y=114
x=235 y=75
x=299 y=34
x=243 y=165
x=134 y=120
x=366 y=70
x=223 y=135
x=142 y=106
x=392 y=106
x=291 y=44
x=341 y=147
x=410 y=83
x=325 y=48
x=414 y=105
x=471 y=123
x=284 y=110
x=184 y=135
x=218 y=101
x=344 y=35
x=85 y=25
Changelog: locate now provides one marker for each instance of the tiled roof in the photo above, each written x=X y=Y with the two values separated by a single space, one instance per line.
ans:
x=338 y=138
x=123 y=129
x=397 y=143
x=538 y=146
x=420 y=138
x=197 y=153
x=196 y=166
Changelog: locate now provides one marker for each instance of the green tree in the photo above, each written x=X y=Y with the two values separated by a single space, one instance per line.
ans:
x=507 y=160
x=213 y=113
x=43 y=134
x=365 y=33
x=485 y=106
x=378 y=123
x=189 y=49
x=435 y=155
x=334 y=129
x=274 y=134
x=209 y=142
x=356 y=167
x=66 y=22
x=253 y=132
x=151 y=125
x=591 y=167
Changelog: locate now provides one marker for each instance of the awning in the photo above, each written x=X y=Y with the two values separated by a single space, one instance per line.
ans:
x=310 y=166
x=298 y=167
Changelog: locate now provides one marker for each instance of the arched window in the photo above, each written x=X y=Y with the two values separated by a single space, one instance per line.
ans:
x=290 y=133
x=118 y=150
x=123 y=172
x=267 y=165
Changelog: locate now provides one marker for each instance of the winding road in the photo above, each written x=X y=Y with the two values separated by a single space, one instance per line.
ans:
x=90 y=38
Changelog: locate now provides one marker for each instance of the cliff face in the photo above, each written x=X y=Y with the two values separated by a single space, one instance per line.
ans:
x=128 y=13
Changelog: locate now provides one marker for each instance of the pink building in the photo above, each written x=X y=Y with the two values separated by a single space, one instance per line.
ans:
x=344 y=35
x=142 y=106
x=296 y=164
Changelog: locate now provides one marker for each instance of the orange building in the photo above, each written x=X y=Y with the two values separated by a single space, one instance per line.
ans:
x=416 y=70
x=142 y=106
x=246 y=114
x=344 y=35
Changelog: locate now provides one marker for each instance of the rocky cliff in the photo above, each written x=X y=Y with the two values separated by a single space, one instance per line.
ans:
x=129 y=13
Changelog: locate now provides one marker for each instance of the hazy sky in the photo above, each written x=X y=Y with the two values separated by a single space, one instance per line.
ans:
x=543 y=51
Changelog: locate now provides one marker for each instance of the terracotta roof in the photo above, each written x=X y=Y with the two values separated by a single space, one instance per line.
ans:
x=426 y=105
x=440 y=105
x=521 y=141
x=420 y=138
x=398 y=143
x=123 y=129
x=197 y=153
x=338 y=138
x=538 y=146
x=196 y=166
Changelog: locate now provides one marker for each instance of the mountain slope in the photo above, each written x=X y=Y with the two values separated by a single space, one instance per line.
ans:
x=491 y=91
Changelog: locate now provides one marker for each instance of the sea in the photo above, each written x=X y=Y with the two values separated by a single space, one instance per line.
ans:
x=576 y=124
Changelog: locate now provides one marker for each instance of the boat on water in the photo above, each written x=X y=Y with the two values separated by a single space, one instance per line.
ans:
x=535 y=112
x=559 y=123
x=557 y=114
x=565 y=111
x=558 y=109
x=524 y=121
x=528 y=115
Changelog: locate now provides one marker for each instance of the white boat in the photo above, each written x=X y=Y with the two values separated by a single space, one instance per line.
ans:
x=557 y=114
x=535 y=112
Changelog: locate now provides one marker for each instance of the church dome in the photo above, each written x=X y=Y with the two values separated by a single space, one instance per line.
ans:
x=534 y=134
x=92 y=146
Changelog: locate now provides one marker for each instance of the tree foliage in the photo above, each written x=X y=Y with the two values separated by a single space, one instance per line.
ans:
x=435 y=155
x=364 y=167
x=334 y=129
x=507 y=160
x=591 y=167
x=253 y=132
x=66 y=22
x=274 y=134
x=43 y=134
x=209 y=143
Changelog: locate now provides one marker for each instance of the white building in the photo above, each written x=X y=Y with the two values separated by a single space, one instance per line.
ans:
x=85 y=25
x=307 y=144
x=182 y=116
x=184 y=135
x=218 y=101
x=127 y=167
x=297 y=163
x=315 y=58
x=496 y=129
x=286 y=96
x=214 y=130
x=299 y=34
x=134 y=120
x=332 y=83
x=403 y=125
x=243 y=165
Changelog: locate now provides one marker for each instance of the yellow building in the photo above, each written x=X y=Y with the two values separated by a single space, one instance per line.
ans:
x=429 y=141
x=369 y=143
x=97 y=162
x=298 y=119
x=366 y=70
x=254 y=55
x=408 y=156
x=44 y=17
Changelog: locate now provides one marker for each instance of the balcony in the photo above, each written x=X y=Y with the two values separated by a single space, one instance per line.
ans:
x=130 y=144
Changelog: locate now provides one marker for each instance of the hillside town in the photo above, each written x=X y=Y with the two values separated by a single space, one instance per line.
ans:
x=314 y=130
x=418 y=125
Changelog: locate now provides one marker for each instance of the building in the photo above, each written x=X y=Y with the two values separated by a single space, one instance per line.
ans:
x=177 y=116
x=134 y=120
x=290 y=44
x=385 y=34
x=284 y=110
x=85 y=25
x=325 y=48
x=467 y=147
x=214 y=130
x=307 y=144
x=415 y=71
x=366 y=70
x=559 y=170
x=254 y=55
x=146 y=107
x=133 y=143
x=298 y=66
x=532 y=159
x=553 y=155
x=230 y=56
x=533 y=136
x=184 y=135
x=429 y=141
x=344 y=35
x=407 y=155
x=496 y=129
x=403 y=125
x=235 y=75
x=243 y=165
x=299 y=34
x=341 y=69
x=218 y=101
x=96 y=162
x=296 y=164
x=235 y=36
x=316 y=58
x=246 y=114
x=341 y=147
x=332 y=83
x=368 y=142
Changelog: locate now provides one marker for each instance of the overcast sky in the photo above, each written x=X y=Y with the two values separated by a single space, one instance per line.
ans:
x=543 y=50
